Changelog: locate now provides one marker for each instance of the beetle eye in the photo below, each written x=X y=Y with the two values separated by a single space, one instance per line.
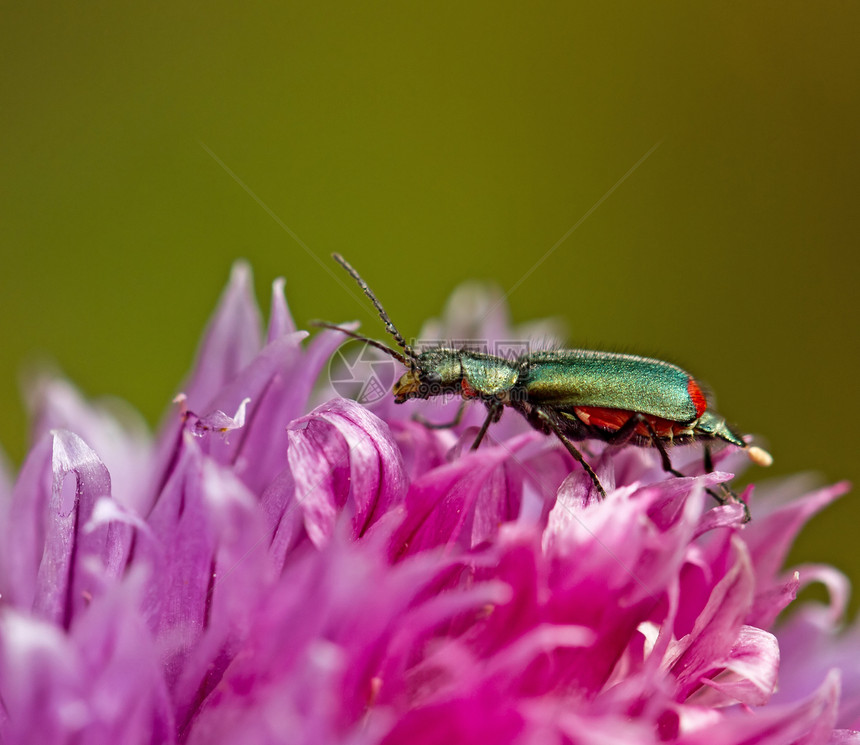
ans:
x=431 y=376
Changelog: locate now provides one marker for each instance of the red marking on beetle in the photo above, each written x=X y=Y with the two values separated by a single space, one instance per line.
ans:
x=615 y=419
x=697 y=397
x=468 y=391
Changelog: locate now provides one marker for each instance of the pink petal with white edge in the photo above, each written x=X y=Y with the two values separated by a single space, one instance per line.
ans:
x=329 y=619
x=717 y=628
x=100 y=684
x=44 y=697
x=120 y=670
x=181 y=562
x=220 y=422
x=345 y=457
x=813 y=643
x=750 y=672
x=806 y=722
x=111 y=428
x=72 y=565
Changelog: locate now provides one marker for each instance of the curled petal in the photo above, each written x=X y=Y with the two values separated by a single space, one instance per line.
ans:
x=344 y=455
x=807 y=722
x=750 y=672
x=717 y=628
x=342 y=576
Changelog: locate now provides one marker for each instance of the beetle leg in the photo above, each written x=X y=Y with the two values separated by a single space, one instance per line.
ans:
x=622 y=435
x=446 y=425
x=658 y=443
x=709 y=461
x=550 y=423
x=727 y=495
x=494 y=413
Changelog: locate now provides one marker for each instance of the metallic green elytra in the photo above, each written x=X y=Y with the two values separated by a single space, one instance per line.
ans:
x=575 y=394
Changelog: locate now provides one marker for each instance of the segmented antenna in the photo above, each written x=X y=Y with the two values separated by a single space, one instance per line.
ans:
x=389 y=325
x=373 y=343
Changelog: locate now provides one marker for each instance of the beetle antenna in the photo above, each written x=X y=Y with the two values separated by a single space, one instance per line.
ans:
x=389 y=324
x=375 y=344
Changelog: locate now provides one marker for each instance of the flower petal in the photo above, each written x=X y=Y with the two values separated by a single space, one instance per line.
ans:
x=100 y=684
x=463 y=503
x=231 y=341
x=117 y=433
x=344 y=455
x=804 y=723
x=56 y=565
x=280 y=319
x=750 y=672
x=718 y=627
x=770 y=537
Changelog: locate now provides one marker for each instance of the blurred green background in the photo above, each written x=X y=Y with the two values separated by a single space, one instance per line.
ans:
x=431 y=145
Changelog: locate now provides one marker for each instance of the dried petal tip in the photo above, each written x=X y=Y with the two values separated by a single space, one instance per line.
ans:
x=759 y=456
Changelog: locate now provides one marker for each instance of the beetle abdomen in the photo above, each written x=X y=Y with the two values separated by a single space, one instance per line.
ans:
x=612 y=381
x=612 y=420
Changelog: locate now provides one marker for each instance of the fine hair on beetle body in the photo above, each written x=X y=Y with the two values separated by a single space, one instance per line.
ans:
x=573 y=394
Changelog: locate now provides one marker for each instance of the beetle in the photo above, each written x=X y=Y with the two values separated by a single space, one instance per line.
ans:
x=574 y=394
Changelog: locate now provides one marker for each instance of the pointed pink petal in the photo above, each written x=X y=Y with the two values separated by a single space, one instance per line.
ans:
x=771 y=599
x=113 y=430
x=770 y=537
x=231 y=340
x=280 y=319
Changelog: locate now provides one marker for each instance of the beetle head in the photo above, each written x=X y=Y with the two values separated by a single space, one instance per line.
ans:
x=436 y=371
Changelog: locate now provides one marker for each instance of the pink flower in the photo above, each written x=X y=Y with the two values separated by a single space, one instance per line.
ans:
x=269 y=570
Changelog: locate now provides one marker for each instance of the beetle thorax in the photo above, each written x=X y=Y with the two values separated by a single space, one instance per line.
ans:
x=488 y=376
